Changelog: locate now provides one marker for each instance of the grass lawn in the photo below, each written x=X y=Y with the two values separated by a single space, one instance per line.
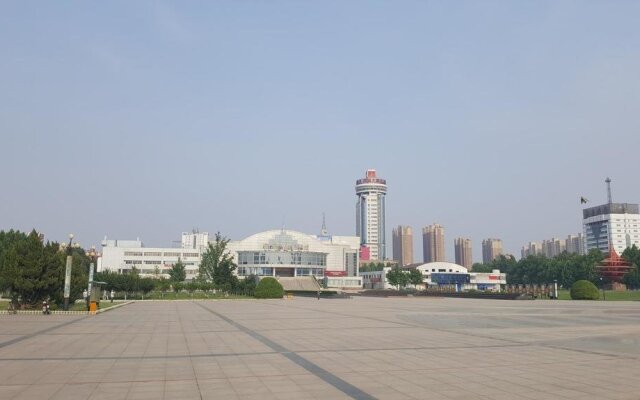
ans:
x=612 y=295
x=199 y=295
x=79 y=306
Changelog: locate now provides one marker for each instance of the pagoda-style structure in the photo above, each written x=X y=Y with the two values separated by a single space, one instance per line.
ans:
x=614 y=267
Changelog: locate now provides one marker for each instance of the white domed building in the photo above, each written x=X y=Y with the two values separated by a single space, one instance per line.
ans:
x=286 y=253
x=441 y=273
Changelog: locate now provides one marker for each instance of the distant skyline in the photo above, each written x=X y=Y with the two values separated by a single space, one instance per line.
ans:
x=146 y=119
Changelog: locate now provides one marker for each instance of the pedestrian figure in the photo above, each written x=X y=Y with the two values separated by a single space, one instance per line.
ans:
x=112 y=294
x=318 y=295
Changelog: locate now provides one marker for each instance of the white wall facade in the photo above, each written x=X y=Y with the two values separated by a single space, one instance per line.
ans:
x=195 y=240
x=291 y=253
x=122 y=258
x=477 y=280
x=623 y=230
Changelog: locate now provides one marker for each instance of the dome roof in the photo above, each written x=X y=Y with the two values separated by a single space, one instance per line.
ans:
x=443 y=265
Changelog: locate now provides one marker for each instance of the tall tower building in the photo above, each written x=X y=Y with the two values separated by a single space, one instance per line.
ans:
x=611 y=223
x=370 y=214
x=403 y=245
x=462 y=247
x=433 y=243
x=491 y=249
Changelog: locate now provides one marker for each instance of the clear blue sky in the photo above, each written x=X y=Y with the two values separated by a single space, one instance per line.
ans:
x=146 y=119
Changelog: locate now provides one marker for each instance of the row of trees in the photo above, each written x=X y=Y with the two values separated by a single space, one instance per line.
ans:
x=401 y=278
x=566 y=268
x=32 y=271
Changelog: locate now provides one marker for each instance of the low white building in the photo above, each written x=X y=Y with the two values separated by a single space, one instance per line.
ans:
x=279 y=253
x=440 y=274
x=290 y=253
x=122 y=255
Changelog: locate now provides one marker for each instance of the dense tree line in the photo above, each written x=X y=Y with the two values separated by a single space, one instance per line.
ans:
x=32 y=271
x=376 y=266
x=566 y=268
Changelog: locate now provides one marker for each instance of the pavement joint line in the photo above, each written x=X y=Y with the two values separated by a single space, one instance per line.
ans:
x=333 y=380
x=186 y=342
x=40 y=332
x=514 y=342
x=158 y=357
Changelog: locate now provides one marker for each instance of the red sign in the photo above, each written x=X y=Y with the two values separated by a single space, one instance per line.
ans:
x=335 y=273
x=365 y=253
x=493 y=278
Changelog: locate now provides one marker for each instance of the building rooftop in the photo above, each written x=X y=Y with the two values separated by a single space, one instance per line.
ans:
x=610 y=208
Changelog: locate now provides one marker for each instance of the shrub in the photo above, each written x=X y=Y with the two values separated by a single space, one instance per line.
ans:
x=584 y=290
x=269 y=288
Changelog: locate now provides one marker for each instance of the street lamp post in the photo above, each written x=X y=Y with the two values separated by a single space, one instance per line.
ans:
x=555 y=289
x=67 y=272
x=92 y=256
x=604 y=296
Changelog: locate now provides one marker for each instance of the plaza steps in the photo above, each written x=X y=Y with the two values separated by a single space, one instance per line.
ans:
x=299 y=284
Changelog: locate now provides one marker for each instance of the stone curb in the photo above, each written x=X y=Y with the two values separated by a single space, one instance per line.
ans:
x=58 y=312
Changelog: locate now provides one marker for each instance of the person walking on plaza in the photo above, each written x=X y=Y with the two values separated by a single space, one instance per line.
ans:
x=85 y=296
x=112 y=294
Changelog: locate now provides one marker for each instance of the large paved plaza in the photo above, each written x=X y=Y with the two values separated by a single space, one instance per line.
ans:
x=405 y=348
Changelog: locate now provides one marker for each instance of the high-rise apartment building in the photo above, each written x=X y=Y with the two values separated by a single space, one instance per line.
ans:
x=462 y=248
x=491 y=249
x=531 y=249
x=615 y=223
x=370 y=214
x=433 y=243
x=553 y=247
x=575 y=244
x=403 y=245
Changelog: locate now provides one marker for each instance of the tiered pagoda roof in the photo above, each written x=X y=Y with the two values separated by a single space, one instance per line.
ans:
x=614 y=267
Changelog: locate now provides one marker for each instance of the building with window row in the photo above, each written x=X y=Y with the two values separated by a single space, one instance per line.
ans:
x=285 y=253
x=122 y=255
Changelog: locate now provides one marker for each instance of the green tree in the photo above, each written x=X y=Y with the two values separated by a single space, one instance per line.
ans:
x=162 y=284
x=584 y=290
x=415 y=277
x=217 y=264
x=479 y=267
x=397 y=277
x=269 y=288
x=178 y=273
x=632 y=278
x=33 y=271
x=632 y=255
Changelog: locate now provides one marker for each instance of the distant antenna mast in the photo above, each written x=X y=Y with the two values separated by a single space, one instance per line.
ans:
x=323 y=230
x=608 y=180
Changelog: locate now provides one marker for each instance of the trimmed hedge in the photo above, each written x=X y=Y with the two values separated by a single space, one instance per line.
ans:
x=269 y=288
x=584 y=290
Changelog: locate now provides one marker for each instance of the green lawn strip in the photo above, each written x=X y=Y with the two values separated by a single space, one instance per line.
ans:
x=187 y=296
x=612 y=295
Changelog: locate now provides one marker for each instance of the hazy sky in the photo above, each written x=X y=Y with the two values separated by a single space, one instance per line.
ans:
x=146 y=119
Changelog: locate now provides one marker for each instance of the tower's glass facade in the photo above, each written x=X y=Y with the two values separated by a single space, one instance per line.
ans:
x=370 y=214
